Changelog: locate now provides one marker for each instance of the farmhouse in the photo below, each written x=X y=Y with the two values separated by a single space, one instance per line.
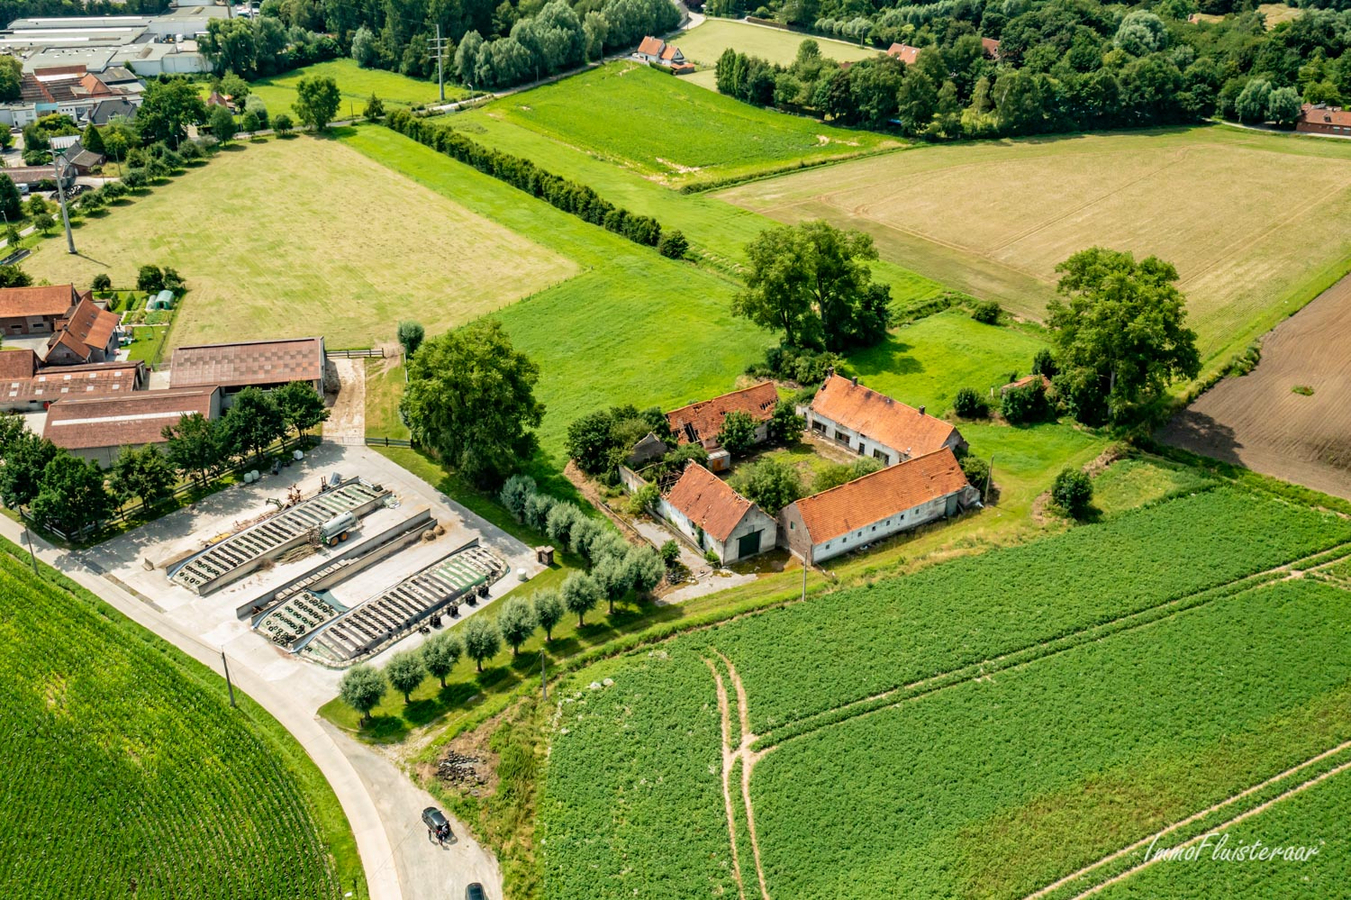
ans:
x=714 y=517
x=87 y=334
x=262 y=364
x=36 y=310
x=1319 y=118
x=27 y=387
x=904 y=52
x=656 y=52
x=699 y=423
x=876 y=506
x=872 y=424
x=97 y=428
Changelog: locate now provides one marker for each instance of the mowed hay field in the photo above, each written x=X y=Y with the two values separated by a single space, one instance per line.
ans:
x=1256 y=224
x=1260 y=421
x=674 y=132
x=306 y=236
x=704 y=44
x=355 y=84
x=127 y=773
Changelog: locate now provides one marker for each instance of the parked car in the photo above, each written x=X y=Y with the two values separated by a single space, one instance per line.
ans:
x=475 y=892
x=436 y=823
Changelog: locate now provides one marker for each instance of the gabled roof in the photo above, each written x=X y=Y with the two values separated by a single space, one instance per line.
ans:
x=670 y=52
x=1325 y=115
x=86 y=329
x=879 y=418
x=651 y=46
x=707 y=501
x=107 y=109
x=119 y=421
x=47 y=300
x=904 y=52
x=17 y=365
x=86 y=159
x=991 y=47
x=248 y=363
x=89 y=380
x=880 y=495
x=702 y=421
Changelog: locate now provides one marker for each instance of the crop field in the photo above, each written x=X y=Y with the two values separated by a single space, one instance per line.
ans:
x=303 y=236
x=1256 y=224
x=1260 y=421
x=127 y=773
x=356 y=86
x=957 y=768
x=704 y=44
x=674 y=132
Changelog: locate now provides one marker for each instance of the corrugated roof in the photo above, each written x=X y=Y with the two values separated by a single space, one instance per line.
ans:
x=702 y=421
x=880 y=418
x=708 y=502
x=86 y=380
x=882 y=494
x=47 y=300
x=251 y=362
x=130 y=420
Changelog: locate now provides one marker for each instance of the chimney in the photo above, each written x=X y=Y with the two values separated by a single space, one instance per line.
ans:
x=855 y=380
x=830 y=371
x=921 y=410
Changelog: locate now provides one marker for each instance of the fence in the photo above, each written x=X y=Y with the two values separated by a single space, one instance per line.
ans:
x=388 y=442
x=368 y=353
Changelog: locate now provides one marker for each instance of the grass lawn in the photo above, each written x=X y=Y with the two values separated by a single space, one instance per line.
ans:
x=1129 y=483
x=356 y=86
x=673 y=132
x=304 y=236
x=704 y=44
x=1257 y=224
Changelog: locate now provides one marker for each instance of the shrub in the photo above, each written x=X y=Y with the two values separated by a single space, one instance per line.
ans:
x=806 y=367
x=411 y=335
x=670 y=553
x=673 y=245
x=976 y=471
x=785 y=426
x=515 y=494
x=969 y=404
x=1072 y=492
x=836 y=474
x=1025 y=405
x=101 y=282
x=645 y=497
x=1044 y=364
x=769 y=484
x=711 y=557
x=986 y=312
x=150 y=279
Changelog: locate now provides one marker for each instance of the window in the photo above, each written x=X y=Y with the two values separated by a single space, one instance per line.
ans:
x=883 y=456
x=792 y=526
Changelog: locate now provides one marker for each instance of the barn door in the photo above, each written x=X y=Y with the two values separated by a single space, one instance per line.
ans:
x=748 y=544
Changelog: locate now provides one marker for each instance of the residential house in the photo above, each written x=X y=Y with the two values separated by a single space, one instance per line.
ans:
x=1319 y=118
x=656 y=52
x=27 y=387
x=904 y=52
x=262 y=364
x=36 y=310
x=876 y=506
x=84 y=161
x=699 y=423
x=865 y=422
x=70 y=90
x=712 y=516
x=991 y=47
x=97 y=428
x=87 y=334
x=106 y=110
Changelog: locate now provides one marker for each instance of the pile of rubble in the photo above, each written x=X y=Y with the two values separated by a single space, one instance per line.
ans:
x=459 y=768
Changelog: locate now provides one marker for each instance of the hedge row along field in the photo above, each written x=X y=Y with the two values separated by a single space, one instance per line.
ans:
x=1001 y=786
x=126 y=775
x=630 y=761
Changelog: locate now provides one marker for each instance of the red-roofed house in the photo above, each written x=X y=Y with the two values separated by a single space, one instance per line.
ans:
x=41 y=387
x=904 y=52
x=88 y=334
x=991 y=47
x=876 y=506
x=1323 y=119
x=657 y=52
x=699 y=423
x=705 y=510
x=36 y=310
x=872 y=424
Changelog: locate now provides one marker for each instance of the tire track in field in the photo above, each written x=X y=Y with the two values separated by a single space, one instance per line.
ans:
x=728 y=761
x=1262 y=807
x=730 y=757
x=1031 y=653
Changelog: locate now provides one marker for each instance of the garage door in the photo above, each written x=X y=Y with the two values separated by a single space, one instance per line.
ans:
x=748 y=544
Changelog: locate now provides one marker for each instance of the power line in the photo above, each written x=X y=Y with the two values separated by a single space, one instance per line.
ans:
x=439 y=45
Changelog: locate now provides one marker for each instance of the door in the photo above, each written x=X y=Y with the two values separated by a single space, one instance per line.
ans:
x=748 y=544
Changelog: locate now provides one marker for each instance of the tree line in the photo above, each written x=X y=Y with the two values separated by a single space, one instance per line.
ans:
x=572 y=197
x=1063 y=65
x=72 y=495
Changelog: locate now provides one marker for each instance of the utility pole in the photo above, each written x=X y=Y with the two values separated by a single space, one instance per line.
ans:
x=228 y=683
x=804 y=577
x=58 y=160
x=440 y=62
x=989 y=476
x=28 y=533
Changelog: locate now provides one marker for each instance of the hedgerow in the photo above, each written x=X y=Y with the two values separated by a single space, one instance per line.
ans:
x=580 y=200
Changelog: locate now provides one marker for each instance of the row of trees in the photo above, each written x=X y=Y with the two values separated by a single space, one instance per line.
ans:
x=255 y=47
x=1063 y=65
x=71 y=494
x=580 y=200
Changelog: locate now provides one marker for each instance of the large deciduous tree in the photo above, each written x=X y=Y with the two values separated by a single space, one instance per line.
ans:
x=517 y=622
x=361 y=688
x=440 y=654
x=471 y=398
x=168 y=109
x=1120 y=334
x=253 y=422
x=301 y=406
x=72 y=495
x=25 y=459
x=317 y=100
x=769 y=484
x=194 y=446
x=144 y=473
x=481 y=641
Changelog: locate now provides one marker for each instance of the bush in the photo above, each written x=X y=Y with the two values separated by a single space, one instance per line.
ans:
x=150 y=279
x=969 y=404
x=673 y=245
x=976 y=471
x=768 y=484
x=712 y=559
x=101 y=282
x=645 y=497
x=1025 y=405
x=1072 y=492
x=135 y=179
x=737 y=435
x=836 y=474
x=1044 y=364
x=806 y=367
x=670 y=553
x=986 y=312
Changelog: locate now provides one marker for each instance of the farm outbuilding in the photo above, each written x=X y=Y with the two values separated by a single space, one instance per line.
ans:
x=97 y=428
x=712 y=516
x=876 y=506
x=262 y=364
x=865 y=422
x=699 y=423
x=26 y=386
x=36 y=310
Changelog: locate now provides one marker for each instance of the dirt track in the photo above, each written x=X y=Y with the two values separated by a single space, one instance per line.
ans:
x=1258 y=421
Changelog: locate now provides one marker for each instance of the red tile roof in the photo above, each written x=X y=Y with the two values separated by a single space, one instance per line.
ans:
x=991 y=47
x=16 y=365
x=669 y=52
x=708 y=502
x=87 y=328
x=1025 y=381
x=904 y=52
x=1325 y=115
x=248 y=363
x=880 y=418
x=888 y=492
x=55 y=382
x=651 y=46
x=52 y=300
x=121 y=421
x=702 y=421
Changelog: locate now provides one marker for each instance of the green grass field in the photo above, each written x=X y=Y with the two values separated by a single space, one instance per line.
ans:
x=356 y=86
x=704 y=44
x=672 y=132
x=1257 y=224
x=304 y=236
x=1039 y=708
x=127 y=772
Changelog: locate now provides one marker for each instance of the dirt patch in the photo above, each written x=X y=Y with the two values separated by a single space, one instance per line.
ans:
x=467 y=751
x=1258 y=421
